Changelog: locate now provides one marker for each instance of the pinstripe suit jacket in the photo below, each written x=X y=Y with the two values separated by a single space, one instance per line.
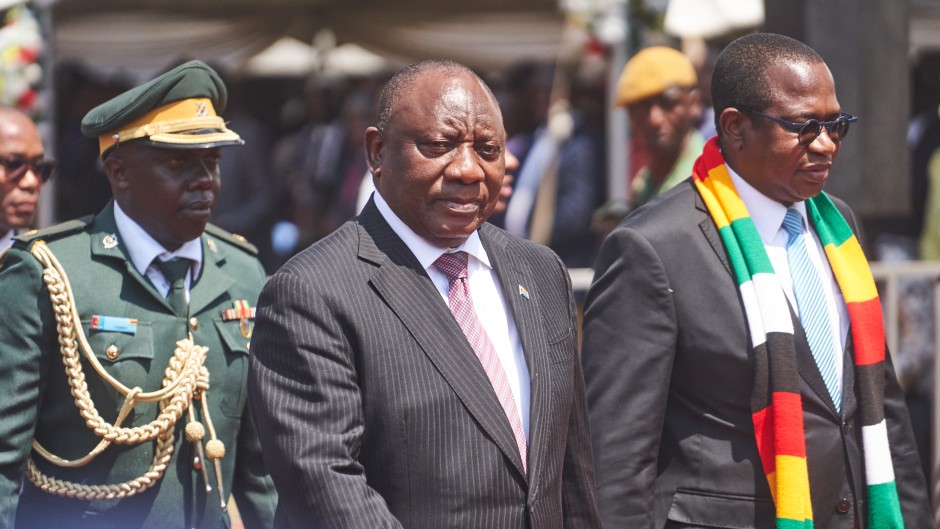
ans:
x=374 y=412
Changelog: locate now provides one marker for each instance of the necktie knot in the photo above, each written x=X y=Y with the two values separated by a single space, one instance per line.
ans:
x=453 y=265
x=174 y=270
x=793 y=223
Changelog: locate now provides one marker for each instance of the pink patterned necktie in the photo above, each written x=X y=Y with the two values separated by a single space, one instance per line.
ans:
x=454 y=266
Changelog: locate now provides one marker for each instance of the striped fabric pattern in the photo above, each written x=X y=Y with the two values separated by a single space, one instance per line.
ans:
x=776 y=404
x=810 y=297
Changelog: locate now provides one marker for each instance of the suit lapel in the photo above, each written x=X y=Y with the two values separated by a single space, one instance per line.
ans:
x=710 y=231
x=403 y=284
x=513 y=274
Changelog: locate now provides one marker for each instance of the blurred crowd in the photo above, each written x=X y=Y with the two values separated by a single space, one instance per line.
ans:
x=302 y=172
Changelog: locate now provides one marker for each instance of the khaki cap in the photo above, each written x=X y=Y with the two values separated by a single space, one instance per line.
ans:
x=652 y=71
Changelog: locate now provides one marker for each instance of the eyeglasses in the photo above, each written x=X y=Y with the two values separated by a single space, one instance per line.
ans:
x=809 y=130
x=16 y=166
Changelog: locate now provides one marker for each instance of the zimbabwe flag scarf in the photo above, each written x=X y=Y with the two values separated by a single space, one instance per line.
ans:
x=776 y=405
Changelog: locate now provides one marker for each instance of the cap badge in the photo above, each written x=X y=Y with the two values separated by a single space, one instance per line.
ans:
x=202 y=109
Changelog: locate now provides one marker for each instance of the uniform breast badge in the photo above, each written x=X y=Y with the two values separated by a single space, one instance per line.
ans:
x=243 y=312
x=109 y=241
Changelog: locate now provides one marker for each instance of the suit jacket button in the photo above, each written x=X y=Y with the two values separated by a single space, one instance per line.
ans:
x=845 y=427
x=843 y=506
x=112 y=352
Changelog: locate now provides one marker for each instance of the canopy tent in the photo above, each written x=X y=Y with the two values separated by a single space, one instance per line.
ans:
x=142 y=37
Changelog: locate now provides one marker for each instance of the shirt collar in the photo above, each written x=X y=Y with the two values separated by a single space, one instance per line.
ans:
x=424 y=251
x=143 y=249
x=6 y=240
x=766 y=213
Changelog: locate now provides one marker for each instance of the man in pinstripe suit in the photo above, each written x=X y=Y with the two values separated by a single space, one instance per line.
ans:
x=373 y=408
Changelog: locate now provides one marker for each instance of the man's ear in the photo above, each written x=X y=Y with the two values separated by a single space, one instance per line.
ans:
x=374 y=142
x=733 y=127
x=116 y=171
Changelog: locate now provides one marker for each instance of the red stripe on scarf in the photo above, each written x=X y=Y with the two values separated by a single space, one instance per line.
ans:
x=870 y=341
x=764 y=434
x=788 y=415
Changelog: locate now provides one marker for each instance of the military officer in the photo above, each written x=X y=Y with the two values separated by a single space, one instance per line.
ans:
x=124 y=338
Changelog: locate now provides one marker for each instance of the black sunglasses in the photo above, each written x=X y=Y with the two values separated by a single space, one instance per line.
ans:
x=808 y=130
x=16 y=166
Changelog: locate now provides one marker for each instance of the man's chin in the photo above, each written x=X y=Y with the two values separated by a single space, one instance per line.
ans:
x=18 y=223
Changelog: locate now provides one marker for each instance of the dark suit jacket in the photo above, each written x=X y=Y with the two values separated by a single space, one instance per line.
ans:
x=374 y=412
x=669 y=375
x=37 y=402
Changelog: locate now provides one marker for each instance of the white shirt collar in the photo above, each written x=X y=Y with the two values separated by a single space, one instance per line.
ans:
x=766 y=213
x=6 y=240
x=143 y=249
x=426 y=252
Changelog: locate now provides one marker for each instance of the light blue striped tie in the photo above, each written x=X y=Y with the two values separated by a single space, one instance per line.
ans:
x=811 y=301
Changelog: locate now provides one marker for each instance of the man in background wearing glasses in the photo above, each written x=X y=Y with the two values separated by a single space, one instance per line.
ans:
x=734 y=353
x=23 y=170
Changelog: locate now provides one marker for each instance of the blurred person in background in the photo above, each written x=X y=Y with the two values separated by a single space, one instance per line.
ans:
x=562 y=178
x=249 y=203
x=23 y=170
x=659 y=89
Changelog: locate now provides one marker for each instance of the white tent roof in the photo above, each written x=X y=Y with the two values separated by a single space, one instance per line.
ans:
x=144 y=36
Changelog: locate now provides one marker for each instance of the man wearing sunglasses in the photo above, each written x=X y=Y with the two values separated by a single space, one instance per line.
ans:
x=734 y=353
x=23 y=170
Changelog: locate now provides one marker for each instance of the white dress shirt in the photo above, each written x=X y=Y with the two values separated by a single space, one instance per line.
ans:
x=767 y=215
x=6 y=240
x=143 y=249
x=488 y=301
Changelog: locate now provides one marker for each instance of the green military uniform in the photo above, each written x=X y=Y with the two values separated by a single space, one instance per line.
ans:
x=38 y=402
x=645 y=189
x=120 y=411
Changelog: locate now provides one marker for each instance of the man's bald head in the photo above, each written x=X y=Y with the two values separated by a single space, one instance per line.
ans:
x=404 y=80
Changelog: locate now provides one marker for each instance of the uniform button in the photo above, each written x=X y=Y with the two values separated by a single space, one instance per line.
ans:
x=112 y=352
x=843 y=506
x=194 y=323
